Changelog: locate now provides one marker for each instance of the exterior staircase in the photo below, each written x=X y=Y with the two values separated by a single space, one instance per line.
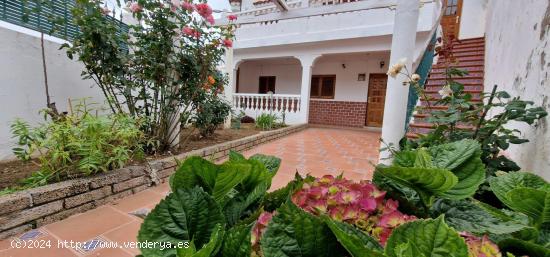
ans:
x=469 y=55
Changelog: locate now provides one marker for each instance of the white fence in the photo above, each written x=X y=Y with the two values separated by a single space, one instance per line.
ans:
x=283 y=105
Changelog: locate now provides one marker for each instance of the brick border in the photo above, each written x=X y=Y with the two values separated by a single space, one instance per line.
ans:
x=32 y=208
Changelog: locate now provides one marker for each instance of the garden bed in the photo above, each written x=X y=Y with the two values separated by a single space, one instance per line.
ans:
x=12 y=172
x=27 y=209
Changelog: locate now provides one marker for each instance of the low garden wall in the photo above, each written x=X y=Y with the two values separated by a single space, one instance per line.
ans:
x=32 y=208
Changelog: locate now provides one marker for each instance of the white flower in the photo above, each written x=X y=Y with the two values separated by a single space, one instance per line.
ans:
x=446 y=91
x=415 y=78
x=396 y=68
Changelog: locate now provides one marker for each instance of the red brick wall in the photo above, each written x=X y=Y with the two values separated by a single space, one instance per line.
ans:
x=337 y=113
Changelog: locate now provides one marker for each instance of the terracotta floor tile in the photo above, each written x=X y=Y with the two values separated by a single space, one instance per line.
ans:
x=138 y=200
x=125 y=234
x=161 y=189
x=319 y=151
x=90 y=224
x=109 y=252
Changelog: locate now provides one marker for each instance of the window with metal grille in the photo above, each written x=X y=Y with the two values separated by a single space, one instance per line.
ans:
x=53 y=16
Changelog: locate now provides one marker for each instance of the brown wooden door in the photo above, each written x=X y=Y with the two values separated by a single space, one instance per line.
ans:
x=267 y=84
x=452 y=10
x=376 y=99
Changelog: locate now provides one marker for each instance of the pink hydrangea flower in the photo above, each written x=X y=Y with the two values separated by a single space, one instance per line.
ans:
x=135 y=7
x=228 y=42
x=480 y=247
x=260 y=226
x=361 y=204
x=203 y=9
x=232 y=17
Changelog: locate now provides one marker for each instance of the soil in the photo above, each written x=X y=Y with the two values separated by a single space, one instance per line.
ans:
x=222 y=135
x=12 y=172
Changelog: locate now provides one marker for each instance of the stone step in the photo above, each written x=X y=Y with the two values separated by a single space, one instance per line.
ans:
x=469 y=50
x=462 y=64
x=464 y=58
x=469 y=53
x=441 y=70
x=433 y=102
x=468 y=45
x=441 y=75
x=466 y=80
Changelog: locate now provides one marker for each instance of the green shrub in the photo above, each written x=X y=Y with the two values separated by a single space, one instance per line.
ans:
x=77 y=144
x=267 y=121
x=210 y=115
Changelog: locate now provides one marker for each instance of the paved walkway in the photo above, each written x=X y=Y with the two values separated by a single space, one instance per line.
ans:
x=318 y=151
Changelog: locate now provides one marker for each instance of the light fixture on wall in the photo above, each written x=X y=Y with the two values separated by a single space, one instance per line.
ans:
x=343 y=65
x=382 y=63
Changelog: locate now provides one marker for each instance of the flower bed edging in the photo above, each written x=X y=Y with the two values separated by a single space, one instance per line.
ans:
x=32 y=208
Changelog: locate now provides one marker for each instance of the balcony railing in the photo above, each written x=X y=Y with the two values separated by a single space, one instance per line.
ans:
x=266 y=102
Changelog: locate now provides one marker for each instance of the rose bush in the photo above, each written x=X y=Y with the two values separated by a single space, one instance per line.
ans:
x=160 y=71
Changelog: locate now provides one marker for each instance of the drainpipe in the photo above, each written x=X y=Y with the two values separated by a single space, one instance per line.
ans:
x=403 y=46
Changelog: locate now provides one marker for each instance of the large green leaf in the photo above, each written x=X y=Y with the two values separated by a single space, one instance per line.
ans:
x=237 y=242
x=470 y=174
x=235 y=209
x=294 y=233
x=451 y=155
x=271 y=163
x=428 y=183
x=534 y=203
x=468 y=216
x=431 y=237
x=356 y=242
x=523 y=248
x=195 y=171
x=501 y=185
x=184 y=215
x=405 y=158
x=423 y=159
x=207 y=250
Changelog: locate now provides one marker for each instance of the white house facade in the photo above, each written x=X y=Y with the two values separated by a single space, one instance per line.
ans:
x=323 y=61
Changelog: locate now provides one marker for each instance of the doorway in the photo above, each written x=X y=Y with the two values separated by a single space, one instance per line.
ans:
x=376 y=99
x=452 y=10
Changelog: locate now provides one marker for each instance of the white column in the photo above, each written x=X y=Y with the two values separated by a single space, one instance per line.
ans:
x=307 y=62
x=231 y=66
x=403 y=46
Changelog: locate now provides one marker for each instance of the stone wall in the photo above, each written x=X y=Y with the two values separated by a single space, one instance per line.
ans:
x=28 y=209
x=337 y=113
x=517 y=59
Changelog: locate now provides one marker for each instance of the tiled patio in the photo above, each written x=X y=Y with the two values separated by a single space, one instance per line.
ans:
x=318 y=151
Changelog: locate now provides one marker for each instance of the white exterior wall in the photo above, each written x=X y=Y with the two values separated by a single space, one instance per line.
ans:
x=517 y=60
x=347 y=87
x=472 y=22
x=288 y=73
x=22 y=92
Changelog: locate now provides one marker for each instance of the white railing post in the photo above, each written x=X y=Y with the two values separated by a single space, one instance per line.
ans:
x=403 y=46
